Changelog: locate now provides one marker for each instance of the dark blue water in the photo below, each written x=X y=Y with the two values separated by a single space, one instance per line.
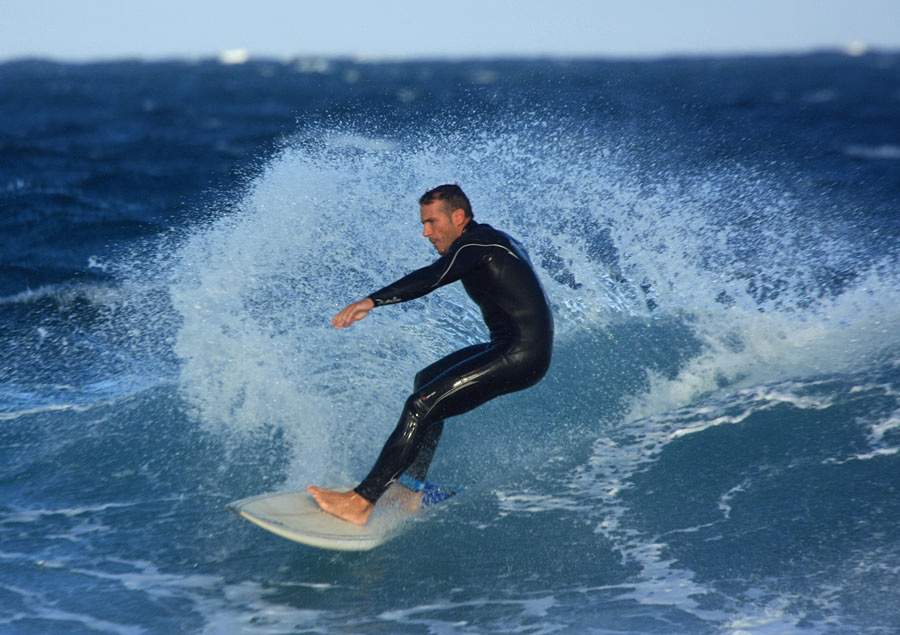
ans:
x=716 y=447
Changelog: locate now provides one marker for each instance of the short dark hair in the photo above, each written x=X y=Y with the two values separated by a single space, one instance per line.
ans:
x=452 y=196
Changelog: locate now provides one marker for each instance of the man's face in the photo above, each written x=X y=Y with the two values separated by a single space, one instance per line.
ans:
x=441 y=227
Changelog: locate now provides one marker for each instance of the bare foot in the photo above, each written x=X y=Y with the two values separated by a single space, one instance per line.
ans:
x=348 y=506
x=402 y=496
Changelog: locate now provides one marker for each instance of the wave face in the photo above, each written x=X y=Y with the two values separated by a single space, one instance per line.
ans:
x=715 y=448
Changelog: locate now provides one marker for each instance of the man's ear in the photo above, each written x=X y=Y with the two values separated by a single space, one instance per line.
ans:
x=458 y=217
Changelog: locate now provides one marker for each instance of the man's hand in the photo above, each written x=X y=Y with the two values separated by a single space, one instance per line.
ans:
x=353 y=312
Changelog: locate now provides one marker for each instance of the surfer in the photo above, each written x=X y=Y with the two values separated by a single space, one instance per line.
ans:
x=497 y=274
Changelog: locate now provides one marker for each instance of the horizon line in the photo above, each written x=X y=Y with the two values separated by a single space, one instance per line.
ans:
x=238 y=56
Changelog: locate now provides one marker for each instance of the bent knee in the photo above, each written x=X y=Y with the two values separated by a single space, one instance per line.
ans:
x=419 y=404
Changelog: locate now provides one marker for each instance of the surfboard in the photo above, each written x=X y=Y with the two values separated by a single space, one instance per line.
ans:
x=295 y=515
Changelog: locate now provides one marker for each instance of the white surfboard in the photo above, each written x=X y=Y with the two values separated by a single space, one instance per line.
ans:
x=295 y=515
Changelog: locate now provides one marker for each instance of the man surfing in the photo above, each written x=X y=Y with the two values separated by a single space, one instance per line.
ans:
x=497 y=274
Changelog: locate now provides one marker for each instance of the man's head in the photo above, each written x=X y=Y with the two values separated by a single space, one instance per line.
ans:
x=445 y=212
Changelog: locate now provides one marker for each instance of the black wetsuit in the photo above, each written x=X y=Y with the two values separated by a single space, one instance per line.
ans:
x=498 y=276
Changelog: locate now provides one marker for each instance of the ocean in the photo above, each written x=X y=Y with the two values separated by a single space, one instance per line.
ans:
x=716 y=448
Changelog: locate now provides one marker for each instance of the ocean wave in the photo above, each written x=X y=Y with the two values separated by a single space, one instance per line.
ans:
x=715 y=446
x=67 y=293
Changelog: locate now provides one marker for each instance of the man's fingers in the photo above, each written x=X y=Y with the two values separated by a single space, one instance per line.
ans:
x=341 y=319
x=350 y=314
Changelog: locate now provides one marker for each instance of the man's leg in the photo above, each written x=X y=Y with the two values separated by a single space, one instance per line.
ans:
x=432 y=434
x=400 y=494
x=352 y=507
x=463 y=387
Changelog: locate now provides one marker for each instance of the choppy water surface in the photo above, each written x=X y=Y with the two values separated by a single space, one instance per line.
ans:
x=715 y=448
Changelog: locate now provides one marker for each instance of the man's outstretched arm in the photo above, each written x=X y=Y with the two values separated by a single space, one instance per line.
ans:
x=353 y=312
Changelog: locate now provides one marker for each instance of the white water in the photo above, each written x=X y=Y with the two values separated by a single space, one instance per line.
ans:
x=732 y=257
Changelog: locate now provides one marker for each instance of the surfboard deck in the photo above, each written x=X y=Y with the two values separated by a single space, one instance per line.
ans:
x=295 y=515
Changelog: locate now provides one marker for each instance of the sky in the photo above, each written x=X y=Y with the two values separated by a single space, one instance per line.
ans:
x=82 y=30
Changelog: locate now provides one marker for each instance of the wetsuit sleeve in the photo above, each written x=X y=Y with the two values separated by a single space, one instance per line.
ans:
x=448 y=268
